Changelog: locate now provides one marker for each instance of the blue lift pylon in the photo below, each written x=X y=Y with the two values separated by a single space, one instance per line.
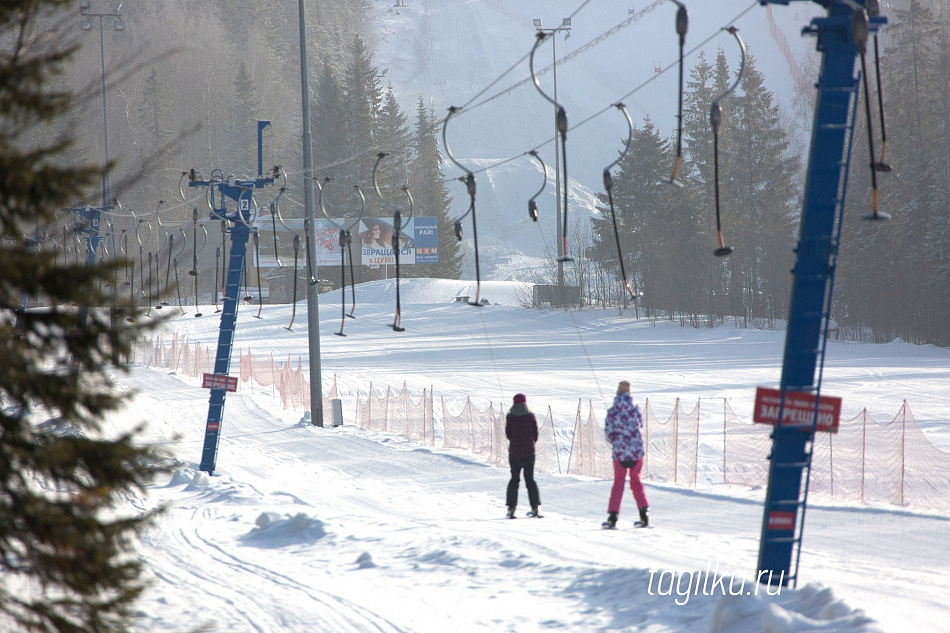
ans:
x=238 y=224
x=829 y=159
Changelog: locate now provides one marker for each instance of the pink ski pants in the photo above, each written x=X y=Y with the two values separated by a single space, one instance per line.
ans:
x=616 y=492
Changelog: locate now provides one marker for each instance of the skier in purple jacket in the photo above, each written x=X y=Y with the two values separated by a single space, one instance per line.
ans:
x=622 y=430
x=521 y=429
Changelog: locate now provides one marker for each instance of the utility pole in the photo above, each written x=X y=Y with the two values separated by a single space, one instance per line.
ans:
x=86 y=25
x=313 y=298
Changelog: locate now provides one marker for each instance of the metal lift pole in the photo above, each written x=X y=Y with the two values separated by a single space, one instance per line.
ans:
x=241 y=191
x=832 y=133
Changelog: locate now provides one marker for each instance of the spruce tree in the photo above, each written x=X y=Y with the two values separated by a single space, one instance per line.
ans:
x=331 y=144
x=432 y=196
x=62 y=528
x=393 y=137
x=645 y=208
x=153 y=132
x=763 y=188
x=364 y=99
x=240 y=128
x=893 y=275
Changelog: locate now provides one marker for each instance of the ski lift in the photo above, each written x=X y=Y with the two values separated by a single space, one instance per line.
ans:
x=860 y=28
x=609 y=188
x=562 y=131
x=682 y=25
x=532 y=205
x=346 y=249
x=469 y=181
x=397 y=230
x=715 y=118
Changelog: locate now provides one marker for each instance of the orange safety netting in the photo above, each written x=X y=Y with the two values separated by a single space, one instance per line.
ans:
x=397 y=414
x=288 y=382
x=864 y=461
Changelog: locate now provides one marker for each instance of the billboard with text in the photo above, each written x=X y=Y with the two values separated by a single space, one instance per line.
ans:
x=371 y=245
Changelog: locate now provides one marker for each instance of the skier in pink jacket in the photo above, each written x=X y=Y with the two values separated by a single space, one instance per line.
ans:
x=622 y=430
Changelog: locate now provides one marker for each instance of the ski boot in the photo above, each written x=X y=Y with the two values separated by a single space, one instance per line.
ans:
x=535 y=512
x=611 y=521
x=511 y=512
x=644 y=517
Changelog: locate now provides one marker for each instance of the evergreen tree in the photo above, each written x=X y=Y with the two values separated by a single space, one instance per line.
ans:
x=364 y=98
x=432 y=195
x=893 y=275
x=331 y=144
x=704 y=84
x=241 y=127
x=60 y=477
x=393 y=137
x=763 y=185
x=644 y=206
x=153 y=132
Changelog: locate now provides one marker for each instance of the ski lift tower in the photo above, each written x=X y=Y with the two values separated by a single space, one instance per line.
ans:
x=828 y=163
x=238 y=224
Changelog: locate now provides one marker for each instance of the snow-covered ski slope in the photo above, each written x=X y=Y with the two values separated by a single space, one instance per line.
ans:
x=304 y=529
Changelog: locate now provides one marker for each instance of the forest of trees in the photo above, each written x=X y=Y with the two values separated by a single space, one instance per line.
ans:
x=201 y=79
x=892 y=278
x=668 y=234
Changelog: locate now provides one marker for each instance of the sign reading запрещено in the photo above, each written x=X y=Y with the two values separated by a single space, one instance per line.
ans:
x=372 y=241
x=799 y=409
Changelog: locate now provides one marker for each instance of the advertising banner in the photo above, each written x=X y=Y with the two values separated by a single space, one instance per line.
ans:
x=371 y=246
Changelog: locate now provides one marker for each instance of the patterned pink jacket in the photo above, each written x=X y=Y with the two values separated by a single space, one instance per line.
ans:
x=622 y=428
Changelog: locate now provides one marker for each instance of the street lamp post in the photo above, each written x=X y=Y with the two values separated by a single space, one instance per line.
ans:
x=566 y=27
x=313 y=298
x=86 y=25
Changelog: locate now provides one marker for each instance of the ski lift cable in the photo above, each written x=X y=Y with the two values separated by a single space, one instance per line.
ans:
x=596 y=41
x=602 y=111
x=579 y=51
x=715 y=118
x=468 y=106
x=517 y=63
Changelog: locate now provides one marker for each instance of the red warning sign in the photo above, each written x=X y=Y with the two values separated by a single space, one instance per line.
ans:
x=219 y=381
x=799 y=409
x=781 y=520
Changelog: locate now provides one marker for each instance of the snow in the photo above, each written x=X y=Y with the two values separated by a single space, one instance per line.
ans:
x=303 y=528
